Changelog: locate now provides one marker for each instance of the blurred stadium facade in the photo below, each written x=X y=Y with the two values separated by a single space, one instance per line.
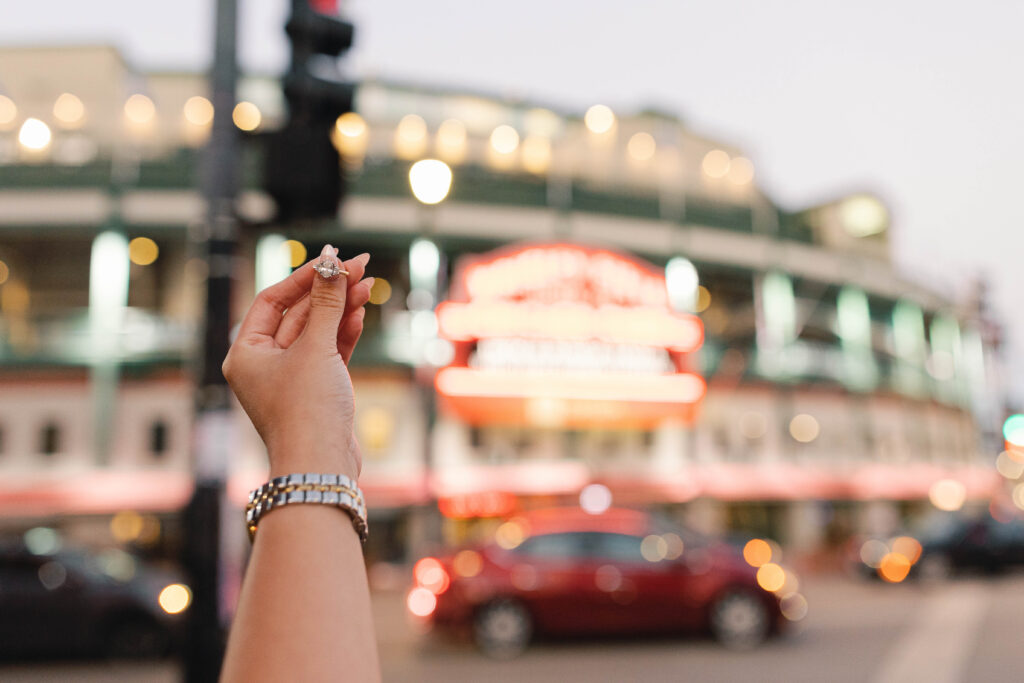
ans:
x=837 y=393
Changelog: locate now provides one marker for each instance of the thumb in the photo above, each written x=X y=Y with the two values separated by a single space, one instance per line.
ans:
x=327 y=299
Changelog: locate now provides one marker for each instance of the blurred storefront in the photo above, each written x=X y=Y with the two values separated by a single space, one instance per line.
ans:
x=600 y=299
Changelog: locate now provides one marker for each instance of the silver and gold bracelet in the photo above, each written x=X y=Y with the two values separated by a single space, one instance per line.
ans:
x=326 y=489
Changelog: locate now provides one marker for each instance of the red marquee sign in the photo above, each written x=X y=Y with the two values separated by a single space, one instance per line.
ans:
x=565 y=335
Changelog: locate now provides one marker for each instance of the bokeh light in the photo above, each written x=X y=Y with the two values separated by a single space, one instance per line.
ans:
x=741 y=171
x=948 y=494
x=794 y=607
x=8 y=112
x=5 y=272
x=674 y=545
x=430 y=574
x=139 y=109
x=703 y=299
x=599 y=119
x=757 y=552
x=430 y=180
x=126 y=526
x=421 y=602
x=1013 y=430
x=716 y=163
x=504 y=139
x=642 y=146
x=380 y=292
x=906 y=546
x=69 y=110
x=467 y=563
x=894 y=567
x=536 y=154
x=771 y=577
x=872 y=552
x=450 y=140
x=804 y=428
x=1018 y=496
x=143 y=251
x=350 y=125
x=510 y=534
x=34 y=135
x=1008 y=466
x=198 y=111
x=654 y=548
x=42 y=540
x=247 y=116
x=863 y=215
x=175 y=598
x=52 y=575
x=595 y=498
x=410 y=137
x=753 y=425
x=296 y=252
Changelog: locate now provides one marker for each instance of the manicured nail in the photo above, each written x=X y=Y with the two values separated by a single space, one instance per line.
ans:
x=370 y=281
x=363 y=258
x=327 y=265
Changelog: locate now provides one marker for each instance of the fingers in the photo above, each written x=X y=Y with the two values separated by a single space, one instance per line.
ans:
x=350 y=330
x=327 y=301
x=349 y=334
x=296 y=317
x=294 y=322
x=264 y=316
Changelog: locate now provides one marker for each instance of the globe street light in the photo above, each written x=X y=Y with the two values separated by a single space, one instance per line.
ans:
x=430 y=180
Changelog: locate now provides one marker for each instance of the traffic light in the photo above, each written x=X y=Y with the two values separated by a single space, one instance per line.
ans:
x=302 y=170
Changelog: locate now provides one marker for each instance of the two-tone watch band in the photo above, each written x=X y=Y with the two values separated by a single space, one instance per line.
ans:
x=325 y=489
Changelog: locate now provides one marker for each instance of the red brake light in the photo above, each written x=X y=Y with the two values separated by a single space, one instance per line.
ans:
x=430 y=574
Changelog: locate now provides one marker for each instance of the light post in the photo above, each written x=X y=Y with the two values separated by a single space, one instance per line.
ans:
x=430 y=181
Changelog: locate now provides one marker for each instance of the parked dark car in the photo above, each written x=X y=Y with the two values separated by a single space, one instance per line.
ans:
x=960 y=545
x=945 y=544
x=63 y=604
x=566 y=572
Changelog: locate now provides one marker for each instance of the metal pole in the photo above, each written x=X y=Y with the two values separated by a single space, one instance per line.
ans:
x=202 y=557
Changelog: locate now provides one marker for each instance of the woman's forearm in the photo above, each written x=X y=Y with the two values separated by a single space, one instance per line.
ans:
x=292 y=604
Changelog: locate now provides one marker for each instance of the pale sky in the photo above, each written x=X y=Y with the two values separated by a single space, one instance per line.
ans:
x=917 y=101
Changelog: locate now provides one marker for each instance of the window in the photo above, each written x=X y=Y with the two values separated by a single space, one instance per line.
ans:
x=158 y=438
x=552 y=546
x=614 y=547
x=50 y=439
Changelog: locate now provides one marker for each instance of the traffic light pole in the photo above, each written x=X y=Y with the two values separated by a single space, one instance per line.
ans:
x=202 y=556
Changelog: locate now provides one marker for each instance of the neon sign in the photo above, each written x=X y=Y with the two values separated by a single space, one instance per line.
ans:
x=561 y=334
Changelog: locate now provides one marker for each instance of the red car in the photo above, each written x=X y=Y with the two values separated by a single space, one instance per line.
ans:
x=567 y=572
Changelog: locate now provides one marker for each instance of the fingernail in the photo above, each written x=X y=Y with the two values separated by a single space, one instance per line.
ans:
x=327 y=265
x=363 y=258
x=371 y=280
x=336 y=251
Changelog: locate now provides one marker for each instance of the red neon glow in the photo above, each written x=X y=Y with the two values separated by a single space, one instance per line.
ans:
x=570 y=322
x=677 y=388
x=564 y=272
x=478 y=504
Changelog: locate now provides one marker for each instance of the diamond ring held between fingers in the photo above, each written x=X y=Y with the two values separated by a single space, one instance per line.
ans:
x=328 y=267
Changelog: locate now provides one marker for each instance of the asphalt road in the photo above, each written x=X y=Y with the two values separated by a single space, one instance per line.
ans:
x=962 y=630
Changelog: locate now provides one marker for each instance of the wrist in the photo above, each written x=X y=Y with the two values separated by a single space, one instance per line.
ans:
x=300 y=456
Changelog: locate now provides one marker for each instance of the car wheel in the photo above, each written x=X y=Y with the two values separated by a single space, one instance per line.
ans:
x=935 y=567
x=739 y=619
x=137 y=639
x=502 y=629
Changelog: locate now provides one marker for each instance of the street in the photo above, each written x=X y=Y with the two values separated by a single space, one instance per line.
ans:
x=963 y=630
